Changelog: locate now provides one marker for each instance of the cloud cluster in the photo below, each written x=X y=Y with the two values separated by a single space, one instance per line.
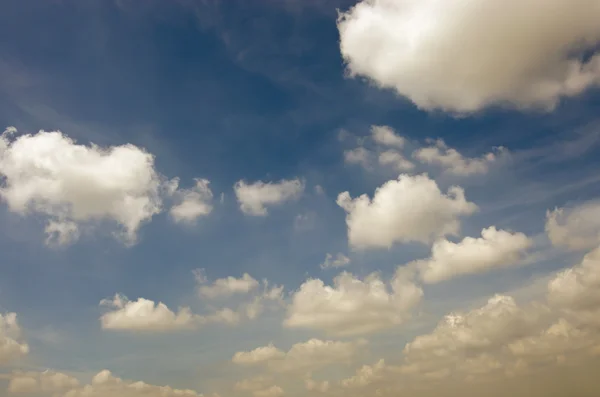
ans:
x=352 y=306
x=191 y=203
x=302 y=357
x=464 y=56
x=411 y=208
x=12 y=345
x=575 y=228
x=103 y=384
x=452 y=161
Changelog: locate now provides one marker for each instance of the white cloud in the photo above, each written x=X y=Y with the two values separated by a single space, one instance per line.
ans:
x=576 y=291
x=575 y=228
x=258 y=355
x=12 y=345
x=48 y=173
x=359 y=155
x=273 y=391
x=395 y=159
x=103 y=384
x=463 y=56
x=411 y=208
x=386 y=136
x=454 y=162
x=353 y=306
x=192 y=203
x=494 y=249
x=225 y=287
x=480 y=334
x=41 y=382
x=306 y=356
x=340 y=260
x=144 y=315
x=366 y=375
x=254 y=198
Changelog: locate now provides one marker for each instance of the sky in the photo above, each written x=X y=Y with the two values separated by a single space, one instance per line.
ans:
x=295 y=198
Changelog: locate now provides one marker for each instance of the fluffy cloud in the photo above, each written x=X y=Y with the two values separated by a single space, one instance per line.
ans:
x=494 y=249
x=575 y=228
x=411 y=208
x=454 y=162
x=253 y=384
x=479 y=334
x=576 y=291
x=340 y=260
x=41 y=382
x=192 y=203
x=144 y=315
x=258 y=355
x=459 y=56
x=395 y=159
x=254 y=198
x=353 y=306
x=48 y=173
x=12 y=345
x=103 y=384
x=366 y=375
x=386 y=136
x=307 y=356
x=224 y=287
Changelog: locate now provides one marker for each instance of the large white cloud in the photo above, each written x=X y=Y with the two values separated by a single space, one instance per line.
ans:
x=192 y=203
x=302 y=357
x=254 y=198
x=48 y=173
x=103 y=384
x=144 y=315
x=454 y=162
x=575 y=228
x=12 y=345
x=411 y=208
x=576 y=291
x=353 y=306
x=494 y=249
x=462 y=56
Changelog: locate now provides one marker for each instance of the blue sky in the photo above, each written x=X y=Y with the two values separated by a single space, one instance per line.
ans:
x=269 y=91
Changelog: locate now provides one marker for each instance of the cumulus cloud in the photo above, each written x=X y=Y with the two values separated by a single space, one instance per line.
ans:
x=41 y=382
x=103 y=384
x=494 y=249
x=306 y=356
x=454 y=162
x=460 y=56
x=411 y=208
x=575 y=228
x=12 y=345
x=254 y=198
x=253 y=384
x=225 y=287
x=576 y=291
x=386 y=136
x=144 y=315
x=353 y=306
x=366 y=375
x=395 y=159
x=479 y=334
x=192 y=203
x=73 y=185
x=340 y=260
x=315 y=386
